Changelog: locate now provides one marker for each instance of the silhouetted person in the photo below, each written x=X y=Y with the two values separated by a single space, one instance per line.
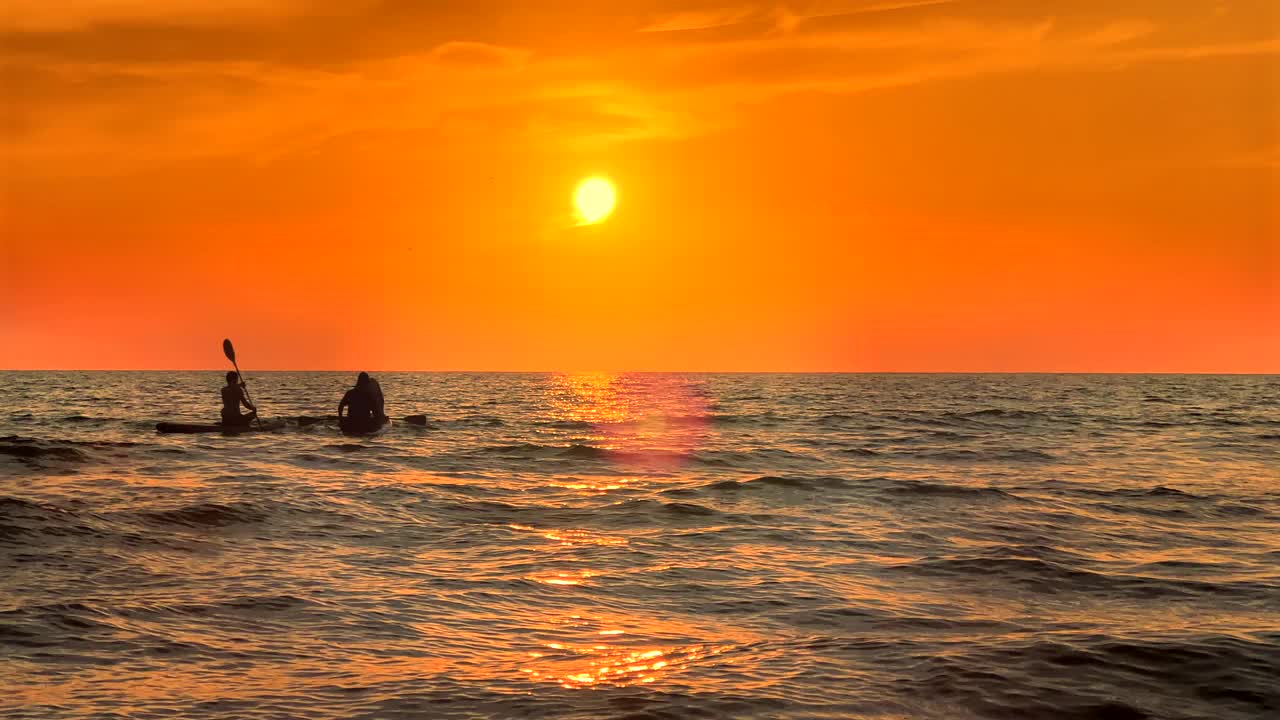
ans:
x=364 y=401
x=232 y=398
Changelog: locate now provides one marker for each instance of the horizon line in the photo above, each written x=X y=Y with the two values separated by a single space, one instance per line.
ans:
x=670 y=372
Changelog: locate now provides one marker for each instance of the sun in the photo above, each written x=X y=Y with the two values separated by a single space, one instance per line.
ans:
x=594 y=199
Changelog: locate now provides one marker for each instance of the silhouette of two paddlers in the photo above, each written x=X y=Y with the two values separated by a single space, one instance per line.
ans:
x=364 y=406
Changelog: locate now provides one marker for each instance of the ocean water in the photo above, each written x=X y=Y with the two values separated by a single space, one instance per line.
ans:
x=644 y=546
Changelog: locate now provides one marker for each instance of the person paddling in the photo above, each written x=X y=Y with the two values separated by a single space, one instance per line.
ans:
x=233 y=396
x=364 y=402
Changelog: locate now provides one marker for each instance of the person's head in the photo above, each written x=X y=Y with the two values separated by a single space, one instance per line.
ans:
x=362 y=379
x=231 y=377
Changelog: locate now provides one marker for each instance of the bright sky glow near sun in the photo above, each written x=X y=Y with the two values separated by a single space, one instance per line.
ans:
x=939 y=185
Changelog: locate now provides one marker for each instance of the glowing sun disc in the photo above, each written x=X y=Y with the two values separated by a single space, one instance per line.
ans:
x=594 y=199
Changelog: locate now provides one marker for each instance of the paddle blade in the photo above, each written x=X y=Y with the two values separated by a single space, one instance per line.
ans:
x=229 y=350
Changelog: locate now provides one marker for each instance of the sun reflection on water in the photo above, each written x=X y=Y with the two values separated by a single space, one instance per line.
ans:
x=647 y=425
x=572 y=537
x=564 y=578
x=648 y=422
x=595 y=484
x=586 y=666
x=585 y=652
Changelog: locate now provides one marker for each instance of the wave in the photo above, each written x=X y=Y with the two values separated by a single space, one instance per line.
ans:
x=25 y=519
x=36 y=450
x=488 y=510
x=679 y=508
x=1236 y=676
x=925 y=420
x=1159 y=491
x=795 y=483
x=567 y=425
x=348 y=447
x=85 y=420
x=11 y=507
x=641 y=508
x=1230 y=509
x=1166 y=502
x=39 y=451
x=1049 y=577
x=723 y=485
x=90 y=632
x=933 y=489
x=1000 y=413
x=1022 y=455
x=837 y=419
x=883 y=486
x=799 y=483
x=625 y=457
x=524 y=449
x=763 y=419
x=1153 y=511
x=470 y=421
x=242 y=603
x=50 y=625
x=206 y=515
x=635 y=512
x=48 y=536
x=772 y=457
x=17 y=506
x=1185 y=505
x=934 y=435
x=587 y=452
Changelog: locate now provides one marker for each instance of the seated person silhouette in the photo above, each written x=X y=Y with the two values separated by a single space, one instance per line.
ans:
x=232 y=398
x=364 y=402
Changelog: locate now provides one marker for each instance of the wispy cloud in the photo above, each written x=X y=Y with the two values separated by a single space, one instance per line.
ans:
x=50 y=15
x=478 y=55
x=90 y=93
x=836 y=8
x=783 y=17
x=702 y=20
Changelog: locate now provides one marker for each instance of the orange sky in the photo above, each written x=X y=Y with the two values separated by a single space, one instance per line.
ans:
x=806 y=185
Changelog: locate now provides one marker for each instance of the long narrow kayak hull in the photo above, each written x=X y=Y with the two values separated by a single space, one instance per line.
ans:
x=360 y=426
x=194 y=428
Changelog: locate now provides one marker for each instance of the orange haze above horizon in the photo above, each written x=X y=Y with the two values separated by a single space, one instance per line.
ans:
x=850 y=185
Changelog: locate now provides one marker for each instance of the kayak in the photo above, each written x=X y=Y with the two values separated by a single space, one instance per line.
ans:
x=349 y=426
x=193 y=428
x=362 y=426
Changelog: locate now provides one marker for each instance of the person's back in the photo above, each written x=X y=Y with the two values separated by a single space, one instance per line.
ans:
x=375 y=398
x=232 y=398
x=358 y=401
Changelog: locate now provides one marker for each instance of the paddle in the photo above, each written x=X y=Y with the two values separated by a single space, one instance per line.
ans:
x=230 y=351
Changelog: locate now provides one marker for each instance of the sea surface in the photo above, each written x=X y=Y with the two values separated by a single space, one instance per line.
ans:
x=644 y=546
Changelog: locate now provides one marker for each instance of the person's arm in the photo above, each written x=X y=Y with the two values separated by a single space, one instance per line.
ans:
x=342 y=405
x=244 y=400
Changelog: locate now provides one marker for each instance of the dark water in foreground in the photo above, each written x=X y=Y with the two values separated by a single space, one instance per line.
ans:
x=645 y=546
